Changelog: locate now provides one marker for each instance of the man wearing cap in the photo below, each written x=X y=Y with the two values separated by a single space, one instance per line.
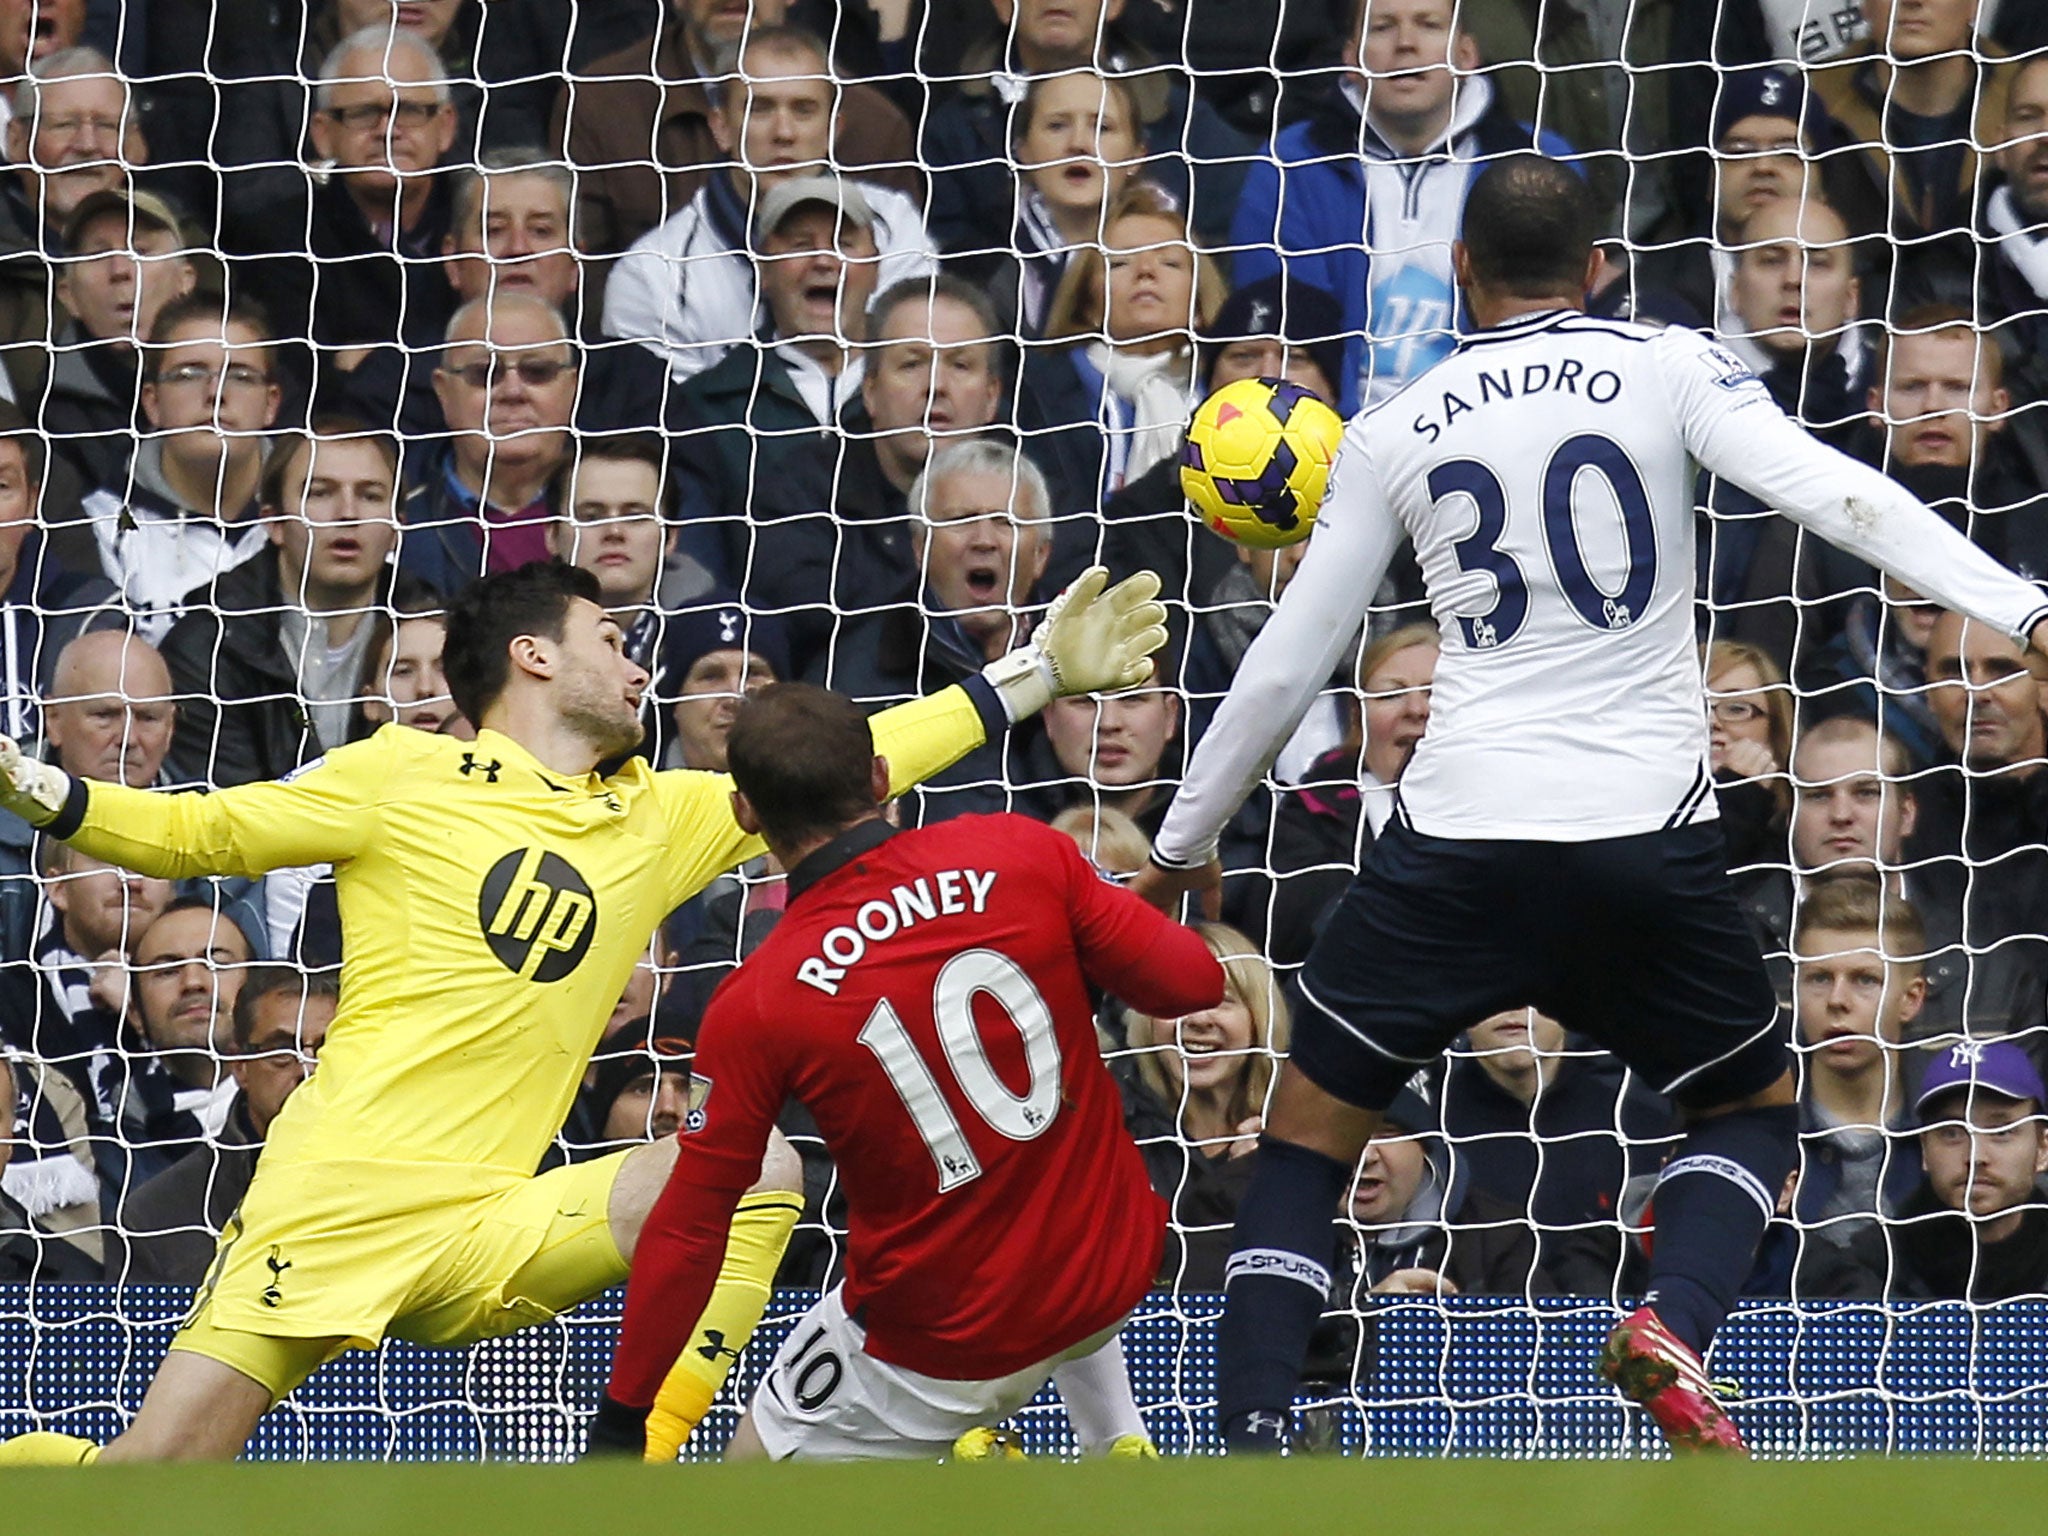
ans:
x=712 y=655
x=127 y=260
x=1977 y=1228
x=781 y=390
x=1763 y=154
x=686 y=290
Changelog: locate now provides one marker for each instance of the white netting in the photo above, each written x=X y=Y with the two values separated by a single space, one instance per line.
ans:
x=564 y=262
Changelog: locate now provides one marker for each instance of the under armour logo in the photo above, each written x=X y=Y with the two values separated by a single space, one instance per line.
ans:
x=728 y=625
x=1265 y=1423
x=488 y=770
x=715 y=1348
x=1968 y=1053
x=1261 y=317
x=277 y=1265
x=1772 y=91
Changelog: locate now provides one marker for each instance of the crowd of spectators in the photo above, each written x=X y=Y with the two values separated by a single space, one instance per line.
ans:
x=835 y=338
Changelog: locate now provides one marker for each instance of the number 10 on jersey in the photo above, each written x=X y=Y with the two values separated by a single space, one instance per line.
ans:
x=1020 y=1117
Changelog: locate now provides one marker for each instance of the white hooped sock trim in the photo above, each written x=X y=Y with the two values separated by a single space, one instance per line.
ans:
x=1722 y=1168
x=1279 y=1264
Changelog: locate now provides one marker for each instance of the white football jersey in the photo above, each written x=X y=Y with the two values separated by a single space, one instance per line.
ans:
x=1545 y=472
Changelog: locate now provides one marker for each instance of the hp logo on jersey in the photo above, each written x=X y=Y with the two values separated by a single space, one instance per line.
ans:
x=537 y=914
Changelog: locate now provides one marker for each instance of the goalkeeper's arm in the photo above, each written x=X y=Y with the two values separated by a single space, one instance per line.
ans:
x=1094 y=638
x=318 y=816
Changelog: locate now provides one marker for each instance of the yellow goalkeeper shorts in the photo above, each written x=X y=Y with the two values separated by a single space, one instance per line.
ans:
x=295 y=1283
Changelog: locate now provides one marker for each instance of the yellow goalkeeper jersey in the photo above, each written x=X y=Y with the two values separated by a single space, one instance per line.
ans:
x=491 y=913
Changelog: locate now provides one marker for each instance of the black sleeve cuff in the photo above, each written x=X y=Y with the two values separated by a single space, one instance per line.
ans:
x=995 y=720
x=1168 y=864
x=72 y=817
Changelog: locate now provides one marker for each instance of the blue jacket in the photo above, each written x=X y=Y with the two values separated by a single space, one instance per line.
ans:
x=1318 y=231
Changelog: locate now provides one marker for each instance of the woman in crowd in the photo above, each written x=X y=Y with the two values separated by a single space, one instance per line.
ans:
x=1318 y=838
x=1194 y=1099
x=1749 y=745
x=1077 y=148
x=1111 y=399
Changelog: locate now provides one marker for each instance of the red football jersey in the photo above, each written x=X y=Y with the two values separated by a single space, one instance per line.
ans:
x=927 y=1000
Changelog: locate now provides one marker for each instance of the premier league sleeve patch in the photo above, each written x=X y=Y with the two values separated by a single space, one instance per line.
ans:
x=694 y=1103
x=1730 y=372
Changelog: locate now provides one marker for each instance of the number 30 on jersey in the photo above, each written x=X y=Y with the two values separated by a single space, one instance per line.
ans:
x=1020 y=1117
x=1480 y=549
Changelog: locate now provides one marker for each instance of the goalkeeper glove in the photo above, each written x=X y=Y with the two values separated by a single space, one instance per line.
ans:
x=1090 y=641
x=617 y=1430
x=34 y=791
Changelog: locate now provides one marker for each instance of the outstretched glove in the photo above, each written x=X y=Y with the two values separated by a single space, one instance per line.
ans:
x=1090 y=641
x=34 y=791
x=617 y=1430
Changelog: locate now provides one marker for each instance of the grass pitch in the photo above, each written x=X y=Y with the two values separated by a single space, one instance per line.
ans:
x=1174 y=1498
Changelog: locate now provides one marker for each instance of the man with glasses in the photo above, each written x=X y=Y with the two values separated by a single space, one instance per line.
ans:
x=511 y=234
x=73 y=132
x=507 y=383
x=356 y=255
x=184 y=513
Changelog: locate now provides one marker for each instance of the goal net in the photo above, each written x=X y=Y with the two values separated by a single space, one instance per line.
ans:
x=833 y=340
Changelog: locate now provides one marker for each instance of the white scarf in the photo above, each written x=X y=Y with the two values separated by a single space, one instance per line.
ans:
x=1159 y=387
x=2024 y=246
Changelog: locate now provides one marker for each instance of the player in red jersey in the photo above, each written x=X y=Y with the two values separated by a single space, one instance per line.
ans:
x=926 y=996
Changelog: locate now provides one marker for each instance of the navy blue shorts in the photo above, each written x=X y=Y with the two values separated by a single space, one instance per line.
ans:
x=1636 y=942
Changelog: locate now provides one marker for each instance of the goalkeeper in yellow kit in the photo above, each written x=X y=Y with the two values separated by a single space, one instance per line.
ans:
x=494 y=897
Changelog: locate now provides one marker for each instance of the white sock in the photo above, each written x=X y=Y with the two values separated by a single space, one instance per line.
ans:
x=1097 y=1391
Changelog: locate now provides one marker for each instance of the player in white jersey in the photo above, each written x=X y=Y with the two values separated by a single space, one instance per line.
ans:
x=1556 y=840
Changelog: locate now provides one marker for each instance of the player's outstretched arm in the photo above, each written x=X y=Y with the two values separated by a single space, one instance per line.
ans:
x=318 y=816
x=1129 y=950
x=1288 y=664
x=1734 y=428
x=1094 y=638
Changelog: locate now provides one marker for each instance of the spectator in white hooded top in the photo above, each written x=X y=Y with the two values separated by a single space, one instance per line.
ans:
x=185 y=514
x=689 y=290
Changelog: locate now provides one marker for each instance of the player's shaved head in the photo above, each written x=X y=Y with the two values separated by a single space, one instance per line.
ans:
x=1530 y=224
x=804 y=760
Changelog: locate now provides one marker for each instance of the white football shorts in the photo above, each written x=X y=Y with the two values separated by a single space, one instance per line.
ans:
x=825 y=1398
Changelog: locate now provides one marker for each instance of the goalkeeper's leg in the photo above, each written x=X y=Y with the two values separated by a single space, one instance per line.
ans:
x=761 y=1229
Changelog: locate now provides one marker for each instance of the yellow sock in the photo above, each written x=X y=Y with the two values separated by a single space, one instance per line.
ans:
x=44 y=1448
x=760 y=1232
